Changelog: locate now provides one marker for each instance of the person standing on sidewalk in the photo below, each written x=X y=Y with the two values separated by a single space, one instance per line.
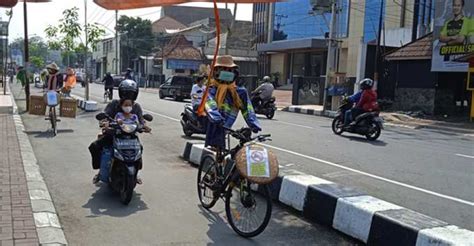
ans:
x=21 y=76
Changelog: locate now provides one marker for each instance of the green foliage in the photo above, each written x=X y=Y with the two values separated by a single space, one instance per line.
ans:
x=38 y=62
x=136 y=38
x=65 y=36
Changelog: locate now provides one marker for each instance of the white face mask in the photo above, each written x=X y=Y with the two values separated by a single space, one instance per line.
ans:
x=127 y=109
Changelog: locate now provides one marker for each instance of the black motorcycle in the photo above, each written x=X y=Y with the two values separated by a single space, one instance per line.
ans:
x=120 y=163
x=266 y=107
x=367 y=124
x=191 y=123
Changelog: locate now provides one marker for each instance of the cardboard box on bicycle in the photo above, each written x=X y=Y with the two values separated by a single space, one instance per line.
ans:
x=37 y=105
x=67 y=107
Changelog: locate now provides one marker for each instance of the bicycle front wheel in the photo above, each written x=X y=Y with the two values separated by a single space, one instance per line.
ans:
x=248 y=211
x=52 y=118
x=207 y=178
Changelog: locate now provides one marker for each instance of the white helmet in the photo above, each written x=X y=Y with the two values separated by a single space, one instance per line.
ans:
x=266 y=79
x=366 y=84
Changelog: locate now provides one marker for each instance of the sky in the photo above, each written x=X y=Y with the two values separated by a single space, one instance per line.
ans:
x=40 y=15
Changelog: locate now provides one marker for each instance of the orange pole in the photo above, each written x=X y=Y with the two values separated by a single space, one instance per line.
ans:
x=201 y=107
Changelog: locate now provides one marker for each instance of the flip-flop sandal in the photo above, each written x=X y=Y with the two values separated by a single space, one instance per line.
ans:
x=139 y=181
x=96 y=179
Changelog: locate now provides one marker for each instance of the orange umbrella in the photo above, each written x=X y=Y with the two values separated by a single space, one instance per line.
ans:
x=8 y=3
x=132 y=4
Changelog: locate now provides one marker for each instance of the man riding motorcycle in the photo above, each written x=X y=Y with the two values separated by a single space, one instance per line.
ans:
x=263 y=93
x=109 y=84
x=128 y=89
x=365 y=99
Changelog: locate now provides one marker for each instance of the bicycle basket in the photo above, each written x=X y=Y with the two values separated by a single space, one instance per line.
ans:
x=51 y=98
x=257 y=164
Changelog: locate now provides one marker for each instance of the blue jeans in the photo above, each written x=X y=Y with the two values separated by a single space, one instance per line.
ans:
x=351 y=114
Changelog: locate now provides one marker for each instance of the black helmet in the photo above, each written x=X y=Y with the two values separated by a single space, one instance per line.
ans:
x=366 y=84
x=128 y=89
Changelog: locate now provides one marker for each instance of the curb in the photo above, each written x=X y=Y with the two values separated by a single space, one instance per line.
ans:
x=354 y=213
x=296 y=109
x=48 y=227
x=88 y=106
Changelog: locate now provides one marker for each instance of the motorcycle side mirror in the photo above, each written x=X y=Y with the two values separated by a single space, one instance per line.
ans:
x=101 y=116
x=148 y=117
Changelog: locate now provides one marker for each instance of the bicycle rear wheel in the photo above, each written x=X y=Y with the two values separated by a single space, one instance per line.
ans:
x=248 y=212
x=207 y=178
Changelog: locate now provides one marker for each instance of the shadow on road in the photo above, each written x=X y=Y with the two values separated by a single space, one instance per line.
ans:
x=106 y=202
x=47 y=134
x=364 y=140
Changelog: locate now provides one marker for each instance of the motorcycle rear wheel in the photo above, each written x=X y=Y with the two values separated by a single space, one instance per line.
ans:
x=270 y=114
x=337 y=125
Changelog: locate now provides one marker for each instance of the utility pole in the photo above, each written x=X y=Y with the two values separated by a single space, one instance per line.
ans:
x=116 y=43
x=27 y=57
x=377 y=49
x=332 y=49
x=86 y=51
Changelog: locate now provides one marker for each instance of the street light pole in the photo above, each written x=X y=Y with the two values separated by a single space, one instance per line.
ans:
x=330 y=66
x=27 y=58
x=116 y=43
x=86 y=51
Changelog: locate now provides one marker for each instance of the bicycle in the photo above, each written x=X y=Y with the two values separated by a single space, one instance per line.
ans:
x=220 y=178
x=52 y=116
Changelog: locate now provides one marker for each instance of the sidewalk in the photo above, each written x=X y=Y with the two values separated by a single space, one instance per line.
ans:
x=17 y=226
x=27 y=213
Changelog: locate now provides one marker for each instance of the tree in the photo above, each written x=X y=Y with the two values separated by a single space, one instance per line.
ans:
x=136 y=38
x=38 y=50
x=65 y=36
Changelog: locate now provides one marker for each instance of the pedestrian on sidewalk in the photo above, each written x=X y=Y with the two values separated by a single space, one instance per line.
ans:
x=21 y=76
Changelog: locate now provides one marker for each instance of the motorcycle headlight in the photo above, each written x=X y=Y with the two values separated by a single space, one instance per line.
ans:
x=129 y=128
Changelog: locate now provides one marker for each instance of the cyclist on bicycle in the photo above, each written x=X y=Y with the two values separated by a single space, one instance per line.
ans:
x=128 y=90
x=224 y=101
x=108 y=81
x=54 y=79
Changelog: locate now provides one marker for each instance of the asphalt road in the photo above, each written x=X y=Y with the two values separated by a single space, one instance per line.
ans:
x=165 y=209
x=428 y=171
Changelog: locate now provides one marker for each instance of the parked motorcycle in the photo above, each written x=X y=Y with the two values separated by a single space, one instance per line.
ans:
x=190 y=122
x=367 y=124
x=266 y=107
x=121 y=162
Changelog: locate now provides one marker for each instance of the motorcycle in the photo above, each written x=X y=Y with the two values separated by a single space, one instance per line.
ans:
x=266 y=107
x=190 y=122
x=120 y=163
x=38 y=82
x=367 y=124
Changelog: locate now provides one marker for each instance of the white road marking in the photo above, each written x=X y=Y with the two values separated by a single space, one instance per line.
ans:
x=351 y=169
x=292 y=124
x=466 y=156
x=161 y=115
x=374 y=176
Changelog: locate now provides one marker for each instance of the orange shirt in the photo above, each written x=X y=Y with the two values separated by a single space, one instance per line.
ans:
x=70 y=81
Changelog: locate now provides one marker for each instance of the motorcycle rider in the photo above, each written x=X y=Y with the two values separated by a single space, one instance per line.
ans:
x=108 y=81
x=365 y=99
x=197 y=92
x=128 y=74
x=128 y=90
x=263 y=93
x=224 y=101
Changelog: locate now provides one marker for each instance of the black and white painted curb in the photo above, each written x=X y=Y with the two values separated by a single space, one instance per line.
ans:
x=354 y=213
x=88 y=106
x=46 y=219
x=301 y=110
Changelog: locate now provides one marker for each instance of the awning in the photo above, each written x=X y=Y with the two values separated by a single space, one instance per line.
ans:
x=310 y=43
x=237 y=58
x=8 y=3
x=134 y=4
x=183 y=64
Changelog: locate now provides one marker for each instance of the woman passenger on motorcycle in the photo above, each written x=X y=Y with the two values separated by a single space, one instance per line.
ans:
x=366 y=101
x=224 y=101
x=128 y=89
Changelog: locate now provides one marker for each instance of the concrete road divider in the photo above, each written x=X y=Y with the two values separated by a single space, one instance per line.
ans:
x=352 y=212
x=88 y=106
